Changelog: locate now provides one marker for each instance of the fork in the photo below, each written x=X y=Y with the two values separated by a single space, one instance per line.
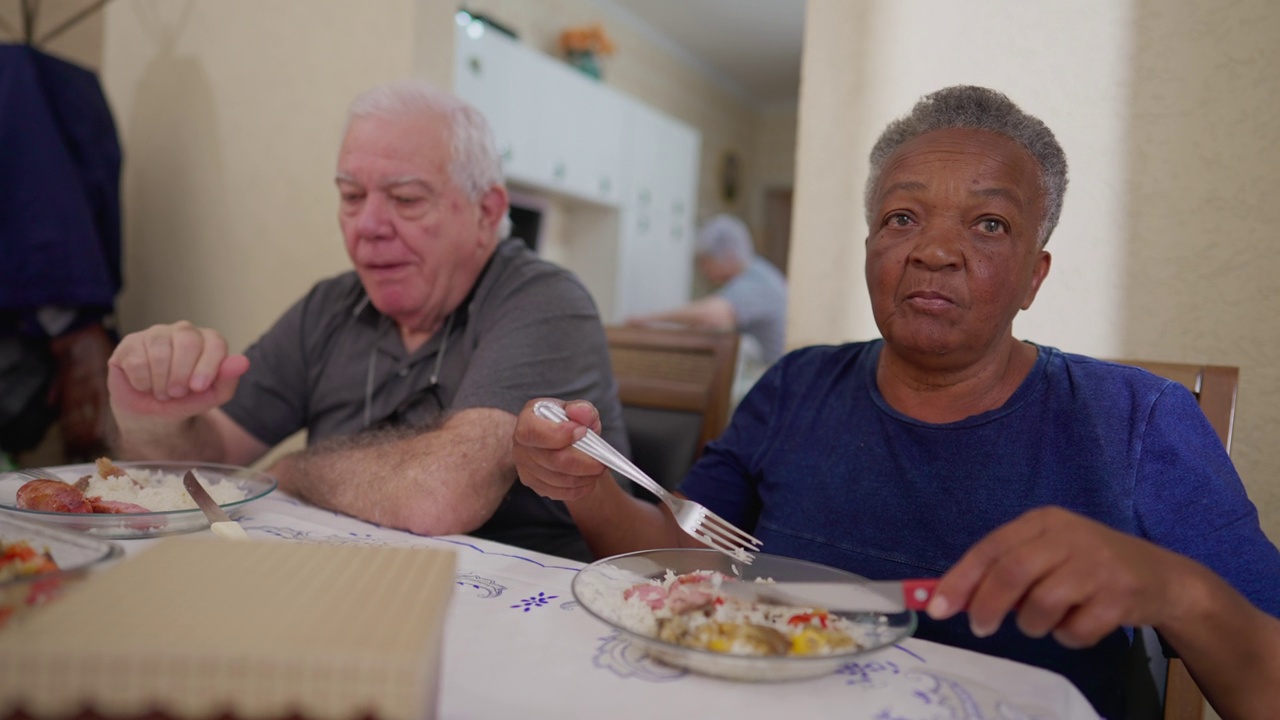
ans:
x=37 y=473
x=693 y=518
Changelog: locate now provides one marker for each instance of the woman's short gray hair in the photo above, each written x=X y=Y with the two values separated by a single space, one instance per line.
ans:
x=475 y=166
x=978 y=108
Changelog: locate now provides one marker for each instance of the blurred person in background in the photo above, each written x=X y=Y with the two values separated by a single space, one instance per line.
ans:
x=751 y=294
x=60 y=255
x=407 y=372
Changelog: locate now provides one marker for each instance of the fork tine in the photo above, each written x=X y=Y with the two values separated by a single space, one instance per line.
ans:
x=723 y=530
x=733 y=551
x=731 y=529
x=720 y=534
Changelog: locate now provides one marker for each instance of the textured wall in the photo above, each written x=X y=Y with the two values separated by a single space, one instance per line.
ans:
x=1167 y=112
x=1202 y=280
x=230 y=114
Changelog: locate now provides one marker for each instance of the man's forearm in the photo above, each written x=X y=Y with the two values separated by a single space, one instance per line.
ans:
x=436 y=482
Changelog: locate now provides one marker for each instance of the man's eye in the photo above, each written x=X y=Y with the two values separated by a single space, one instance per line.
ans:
x=992 y=225
x=406 y=199
x=899 y=220
x=351 y=198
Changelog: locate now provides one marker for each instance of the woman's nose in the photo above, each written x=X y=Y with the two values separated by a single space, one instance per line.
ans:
x=938 y=249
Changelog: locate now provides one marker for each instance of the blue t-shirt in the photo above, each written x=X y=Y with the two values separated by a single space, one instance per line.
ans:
x=818 y=466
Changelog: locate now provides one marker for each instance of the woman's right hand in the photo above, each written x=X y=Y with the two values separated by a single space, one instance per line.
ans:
x=544 y=454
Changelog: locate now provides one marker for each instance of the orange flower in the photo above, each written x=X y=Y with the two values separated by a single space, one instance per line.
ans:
x=588 y=39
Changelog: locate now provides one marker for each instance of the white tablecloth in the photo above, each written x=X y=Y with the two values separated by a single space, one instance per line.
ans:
x=518 y=646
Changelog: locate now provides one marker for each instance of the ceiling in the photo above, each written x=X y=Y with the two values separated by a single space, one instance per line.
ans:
x=750 y=47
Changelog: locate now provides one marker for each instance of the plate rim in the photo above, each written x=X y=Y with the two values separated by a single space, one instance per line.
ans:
x=911 y=626
x=271 y=484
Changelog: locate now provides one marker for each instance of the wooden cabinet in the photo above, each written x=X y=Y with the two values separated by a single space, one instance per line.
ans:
x=629 y=171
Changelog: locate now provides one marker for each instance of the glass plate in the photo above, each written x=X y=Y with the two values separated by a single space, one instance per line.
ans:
x=75 y=554
x=596 y=587
x=139 y=525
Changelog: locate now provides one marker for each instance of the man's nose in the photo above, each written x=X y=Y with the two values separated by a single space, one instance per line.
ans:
x=374 y=217
x=938 y=248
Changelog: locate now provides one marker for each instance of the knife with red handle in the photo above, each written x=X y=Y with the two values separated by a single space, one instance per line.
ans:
x=885 y=596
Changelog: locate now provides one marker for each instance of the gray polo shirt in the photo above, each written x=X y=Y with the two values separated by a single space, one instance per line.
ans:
x=759 y=298
x=334 y=365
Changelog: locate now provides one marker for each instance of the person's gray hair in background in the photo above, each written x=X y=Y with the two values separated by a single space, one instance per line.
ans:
x=978 y=108
x=474 y=165
x=725 y=237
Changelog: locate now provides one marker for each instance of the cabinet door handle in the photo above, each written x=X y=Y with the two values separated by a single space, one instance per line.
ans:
x=558 y=171
x=605 y=185
x=477 y=67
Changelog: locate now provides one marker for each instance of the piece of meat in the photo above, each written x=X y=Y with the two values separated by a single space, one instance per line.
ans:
x=82 y=484
x=52 y=496
x=115 y=507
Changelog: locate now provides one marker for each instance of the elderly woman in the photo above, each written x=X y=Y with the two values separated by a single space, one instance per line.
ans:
x=1088 y=496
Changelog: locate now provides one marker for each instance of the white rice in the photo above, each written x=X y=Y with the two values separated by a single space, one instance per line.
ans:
x=157 y=491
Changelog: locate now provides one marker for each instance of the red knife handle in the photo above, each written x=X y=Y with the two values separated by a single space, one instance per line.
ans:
x=917 y=593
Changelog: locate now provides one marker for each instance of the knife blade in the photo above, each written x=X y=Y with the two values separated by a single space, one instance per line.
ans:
x=883 y=596
x=219 y=522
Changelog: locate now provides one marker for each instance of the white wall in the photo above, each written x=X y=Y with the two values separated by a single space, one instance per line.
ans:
x=230 y=113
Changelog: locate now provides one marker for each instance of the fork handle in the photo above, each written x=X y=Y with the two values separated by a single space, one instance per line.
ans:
x=597 y=447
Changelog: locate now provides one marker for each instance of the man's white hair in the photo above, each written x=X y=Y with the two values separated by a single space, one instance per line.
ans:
x=475 y=166
x=725 y=237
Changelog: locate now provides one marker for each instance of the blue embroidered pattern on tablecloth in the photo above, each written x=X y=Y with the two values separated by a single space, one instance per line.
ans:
x=539 y=600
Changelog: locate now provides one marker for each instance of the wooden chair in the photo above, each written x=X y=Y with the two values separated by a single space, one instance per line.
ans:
x=1215 y=388
x=675 y=387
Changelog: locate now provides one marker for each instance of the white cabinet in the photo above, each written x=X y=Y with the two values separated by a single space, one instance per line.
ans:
x=555 y=127
x=561 y=132
x=658 y=212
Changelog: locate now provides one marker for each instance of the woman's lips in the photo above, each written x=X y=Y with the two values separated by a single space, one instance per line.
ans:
x=929 y=300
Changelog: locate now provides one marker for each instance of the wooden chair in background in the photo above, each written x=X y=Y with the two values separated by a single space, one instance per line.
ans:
x=1215 y=388
x=675 y=387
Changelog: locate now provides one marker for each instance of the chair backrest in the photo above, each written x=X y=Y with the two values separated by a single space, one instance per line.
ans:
x=1215 y=388
x=675 y=387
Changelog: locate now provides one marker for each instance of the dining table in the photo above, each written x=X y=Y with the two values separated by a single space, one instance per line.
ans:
x=517 y=645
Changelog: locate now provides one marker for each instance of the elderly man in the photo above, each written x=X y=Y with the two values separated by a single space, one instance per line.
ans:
x=407 y=372
x=1061 y=499
x=752 y=294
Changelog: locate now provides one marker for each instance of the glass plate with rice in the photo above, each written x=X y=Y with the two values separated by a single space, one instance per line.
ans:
x=156 y=486
x=666 y=602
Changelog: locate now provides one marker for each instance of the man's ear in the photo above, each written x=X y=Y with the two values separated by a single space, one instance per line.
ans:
x=493 y=208
x=1038 y=274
